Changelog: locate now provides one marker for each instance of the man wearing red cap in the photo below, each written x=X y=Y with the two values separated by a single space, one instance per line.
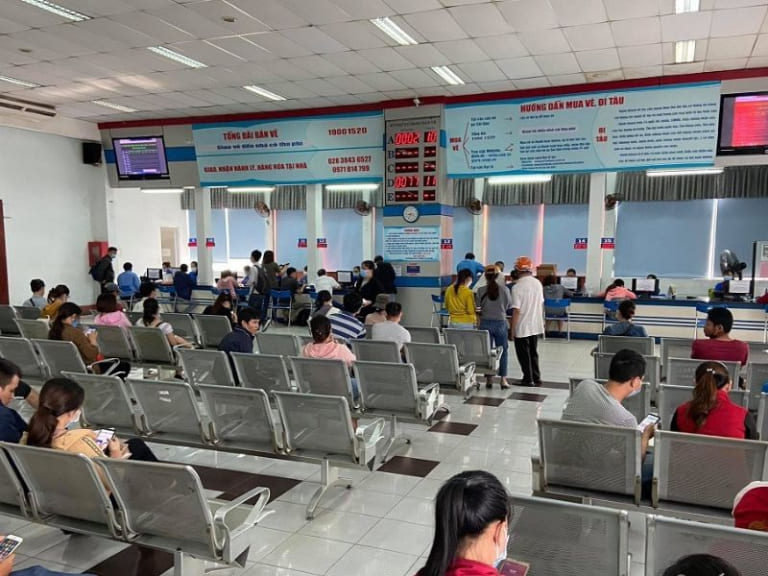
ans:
x=750 y=507
x=527 y=321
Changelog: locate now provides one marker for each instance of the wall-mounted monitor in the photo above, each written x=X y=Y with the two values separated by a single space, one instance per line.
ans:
x=155 y=273
x=141 y=158
x=743 y=124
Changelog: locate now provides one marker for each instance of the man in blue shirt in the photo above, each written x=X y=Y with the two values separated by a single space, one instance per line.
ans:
x=344 y=324
x=472 y=265
x=241 y=338
x=183 y=283
x=12 y=426
x=128 y=281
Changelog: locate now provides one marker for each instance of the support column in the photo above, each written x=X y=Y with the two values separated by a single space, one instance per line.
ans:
x=609 y=231
x=204 y=229
x=369 y=229
x=315 y=229
x=479 y=223
x=595 y=226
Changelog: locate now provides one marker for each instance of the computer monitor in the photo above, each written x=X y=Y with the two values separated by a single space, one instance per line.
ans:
x=646 y=285
x=569 y=283
x=155 y=273
x=738 y=287
x=344 y=276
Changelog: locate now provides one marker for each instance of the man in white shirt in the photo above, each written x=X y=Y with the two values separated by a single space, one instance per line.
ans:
x=325 y=282
x=390 y=330
x=527 y=321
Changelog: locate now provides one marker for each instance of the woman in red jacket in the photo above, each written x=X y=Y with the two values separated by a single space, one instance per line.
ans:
x=471 y=514
x=711 y=411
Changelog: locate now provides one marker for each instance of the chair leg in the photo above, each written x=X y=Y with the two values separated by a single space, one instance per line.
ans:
x=329 y=477
x=186 y=565
x=393 y=438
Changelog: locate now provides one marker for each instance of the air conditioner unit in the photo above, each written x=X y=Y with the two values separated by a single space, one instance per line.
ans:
x=10 y=106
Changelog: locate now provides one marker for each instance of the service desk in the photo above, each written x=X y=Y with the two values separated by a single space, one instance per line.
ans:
x=666 y=318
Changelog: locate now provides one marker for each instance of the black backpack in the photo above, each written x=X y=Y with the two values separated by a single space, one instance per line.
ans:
x=98 y=270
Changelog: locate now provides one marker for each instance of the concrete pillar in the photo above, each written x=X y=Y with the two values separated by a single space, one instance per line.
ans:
x=204 y=229
x=609 y=231
x=595 y=226
x=315 y=229
x=479 y=224
x=369 y=229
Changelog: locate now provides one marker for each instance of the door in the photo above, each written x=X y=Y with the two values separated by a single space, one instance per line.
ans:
x=169 y=245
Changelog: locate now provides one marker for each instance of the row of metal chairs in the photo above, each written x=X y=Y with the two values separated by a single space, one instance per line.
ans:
x=157 y=505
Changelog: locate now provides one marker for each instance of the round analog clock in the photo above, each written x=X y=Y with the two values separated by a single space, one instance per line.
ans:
x=410 y=214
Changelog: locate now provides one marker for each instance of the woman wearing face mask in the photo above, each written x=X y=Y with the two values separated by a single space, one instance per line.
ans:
x=368 y=287
x=472 y=511
x=61 y=402
x=460 y=302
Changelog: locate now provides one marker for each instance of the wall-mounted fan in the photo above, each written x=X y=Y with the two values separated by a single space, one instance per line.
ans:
x=474 y=207
x=262 y=209
x=362 y=208
x=612 y=200
x=730 y=265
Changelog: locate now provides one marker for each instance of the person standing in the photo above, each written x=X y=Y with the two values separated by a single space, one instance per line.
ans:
x=259 y=284
x=102 y=271
x=183 y=283
x=494 y=301
x=386 y=276
x=472 y=265
x=460 y=302
x=527 y=321
x=37 y=300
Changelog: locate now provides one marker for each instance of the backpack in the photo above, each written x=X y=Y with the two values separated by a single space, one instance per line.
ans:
x=97 y=270
x=261 y=284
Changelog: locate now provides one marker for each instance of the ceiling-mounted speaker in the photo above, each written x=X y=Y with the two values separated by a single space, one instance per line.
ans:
x=92 y=153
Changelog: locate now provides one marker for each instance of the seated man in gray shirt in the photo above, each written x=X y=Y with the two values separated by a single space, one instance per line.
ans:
x=601 y=404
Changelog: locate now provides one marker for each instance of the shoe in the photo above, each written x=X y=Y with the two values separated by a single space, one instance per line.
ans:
x=504 y=384
x=524 y=383
x=537 y=383
x=489 y=383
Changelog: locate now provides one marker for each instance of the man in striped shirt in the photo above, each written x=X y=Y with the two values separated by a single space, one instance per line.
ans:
x=344 y=324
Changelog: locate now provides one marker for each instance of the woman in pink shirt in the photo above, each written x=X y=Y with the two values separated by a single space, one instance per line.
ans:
x=324 y=346
x=617 y=291
x=227 y=282
x=109 y=314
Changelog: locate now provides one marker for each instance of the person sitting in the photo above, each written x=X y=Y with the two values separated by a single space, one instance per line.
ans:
x=711 y=411
x=460 y=302
x=6 y=568
x=750 y=507
x=601 y=404
x=227 y=283
x=246 y=276
x=323 y=345
x=625 y=326
x=241 y=337
x=61 y=403
x=57 y=296
x=344 y=323
x=146 y=290
x=183 y=283
x=554 y=291
x=472 y=514
x=474 y=267
x=222 y=306
x=193 y=271
x=719 y=345
x=368 y=286
x=37 y=300
x=167 y=273
x=66 y=327
x=325 y=282
x=570 y=273
x=151 y=319
x=12 y=425
x=617 y=291
x=108 y=312
x=111 y=288
x=390 y=330
x=324 y=304
x=128 y=282
x=657 y=289
x=379 y=314
x=701 y=565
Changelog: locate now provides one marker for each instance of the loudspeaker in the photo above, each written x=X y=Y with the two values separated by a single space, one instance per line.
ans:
x=92 y=153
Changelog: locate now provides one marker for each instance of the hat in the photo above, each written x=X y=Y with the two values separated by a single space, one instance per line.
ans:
x=381 y=302
x=523 y=264
x=750 y=507
x=110 y=287
x=491 y=268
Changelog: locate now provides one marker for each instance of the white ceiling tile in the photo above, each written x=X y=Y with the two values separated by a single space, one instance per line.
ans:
x=410 y=6
x=725 y=64
x=436 y=25
x=737 y=22
x=597 y=60
x=761 y=46
x=528 y=14
x=558 y=64
x=253 y=73
x=626 y=9
x=504 y=86
x=640 y=56
x=286 y=70
x=244 y=48
x=567 y=79
x=318 y=65
x=191 y=22
x=737 y=3
x=371 y=97
x=506 y=46
x=95 y=8
x=314 y=39
x=458 y=51
x=115 y=31
x=357 y=35
x=290 y=90
x=351 y=63
x=9 y=27
x=423 y=55
x=350 y=85
x=668 y=51
x=731 y=47
x=758 y=62
x=462 y=90
x=315 y=12
x=28 y=16
x=637 y=32
x=215 y=10
x=481 y=20
x=545 y=41
x=272 y=12
x=60 y=47
x=279 y=45
x=689 y=68
x=589 y=37
x=572 y=13
x=12 y=44
x=415 y=78
x=381 y=81
x=386 y=59
x=207 y=53
x=524 y=67
x=531 y=83
x=605 y=76
x=346 y=100
x=11 y=56
x=690 y=26
x=482 y=72
x=647 y=72
x=363 y=9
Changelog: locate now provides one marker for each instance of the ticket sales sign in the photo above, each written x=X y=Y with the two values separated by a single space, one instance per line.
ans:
x=291 y=151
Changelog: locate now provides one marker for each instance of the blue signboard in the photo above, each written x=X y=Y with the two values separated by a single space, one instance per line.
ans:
x=665 y=127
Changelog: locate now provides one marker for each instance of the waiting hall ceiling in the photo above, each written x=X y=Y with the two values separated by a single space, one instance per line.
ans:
x=318 y=53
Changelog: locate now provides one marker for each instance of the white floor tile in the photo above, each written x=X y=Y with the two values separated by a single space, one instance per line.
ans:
x=287 y=517
x=414 y=510
x=343 y=526
x=389 y=483
x=307 y=554
x=365 y=561
x=363 y=502
x=399 y=537
x=81 y=551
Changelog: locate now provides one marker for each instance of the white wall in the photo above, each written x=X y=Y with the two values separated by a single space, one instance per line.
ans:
x=135 y=221
x=47 y=193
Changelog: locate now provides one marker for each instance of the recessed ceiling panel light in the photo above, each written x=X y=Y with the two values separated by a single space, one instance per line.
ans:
x=519 y=179
x=393 y=31
x=685 y=51
x=58 y=10
x=448 y=75
x=683 y=6
x=684 y=172
x=262 y=92
x=18 y=82
x=176 y=57
x=118 y=107
x=351 y=187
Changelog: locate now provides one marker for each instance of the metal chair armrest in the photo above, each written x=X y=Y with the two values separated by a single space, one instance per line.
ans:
x=115 y=363
x=254 y=516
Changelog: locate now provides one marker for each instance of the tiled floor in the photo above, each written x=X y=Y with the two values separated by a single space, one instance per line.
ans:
x=381 y=527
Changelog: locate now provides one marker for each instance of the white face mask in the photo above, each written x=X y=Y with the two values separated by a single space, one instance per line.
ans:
x=75 y=419
x=501 y=555
x=635 y=392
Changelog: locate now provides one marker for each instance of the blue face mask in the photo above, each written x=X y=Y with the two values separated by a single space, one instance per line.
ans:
x=76 y=322
x=502 y=554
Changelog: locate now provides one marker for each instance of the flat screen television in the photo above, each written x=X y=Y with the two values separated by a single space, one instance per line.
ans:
x=344 y=276
x=743 y=124
x=645 y=285
x=141 y=158
x=569 y=283
x=155 y=273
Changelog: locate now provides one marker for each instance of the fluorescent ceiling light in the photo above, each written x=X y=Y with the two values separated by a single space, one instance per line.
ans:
x=262 y=92
x=18 y=82
x=176 y=57
x=685 y=51
x=240 y=190
x=448 y=75
x=351 y=187
x=114 y=106
x=683 y=6
x=163 y=190
x=519 y=179
x=686 y=172
x=393 y=31
x=58 y=10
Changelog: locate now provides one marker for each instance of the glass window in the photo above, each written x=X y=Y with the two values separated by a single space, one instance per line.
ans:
x=512 y=232
x=247 y=232
x=290 y=225
x=563 y=223
x=344 y=231
x=740 y=221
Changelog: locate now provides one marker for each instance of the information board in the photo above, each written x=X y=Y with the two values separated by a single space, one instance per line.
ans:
x=291 y=151
x=412 y=243
x=617 y=130
x=412 y=160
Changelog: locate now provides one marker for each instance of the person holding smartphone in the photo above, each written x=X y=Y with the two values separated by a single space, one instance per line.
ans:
x=8 y=545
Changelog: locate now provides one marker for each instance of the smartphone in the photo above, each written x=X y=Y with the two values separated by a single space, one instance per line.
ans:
x=103 y=437
x=511 y=567
x=8 y=546
x=650 y=420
